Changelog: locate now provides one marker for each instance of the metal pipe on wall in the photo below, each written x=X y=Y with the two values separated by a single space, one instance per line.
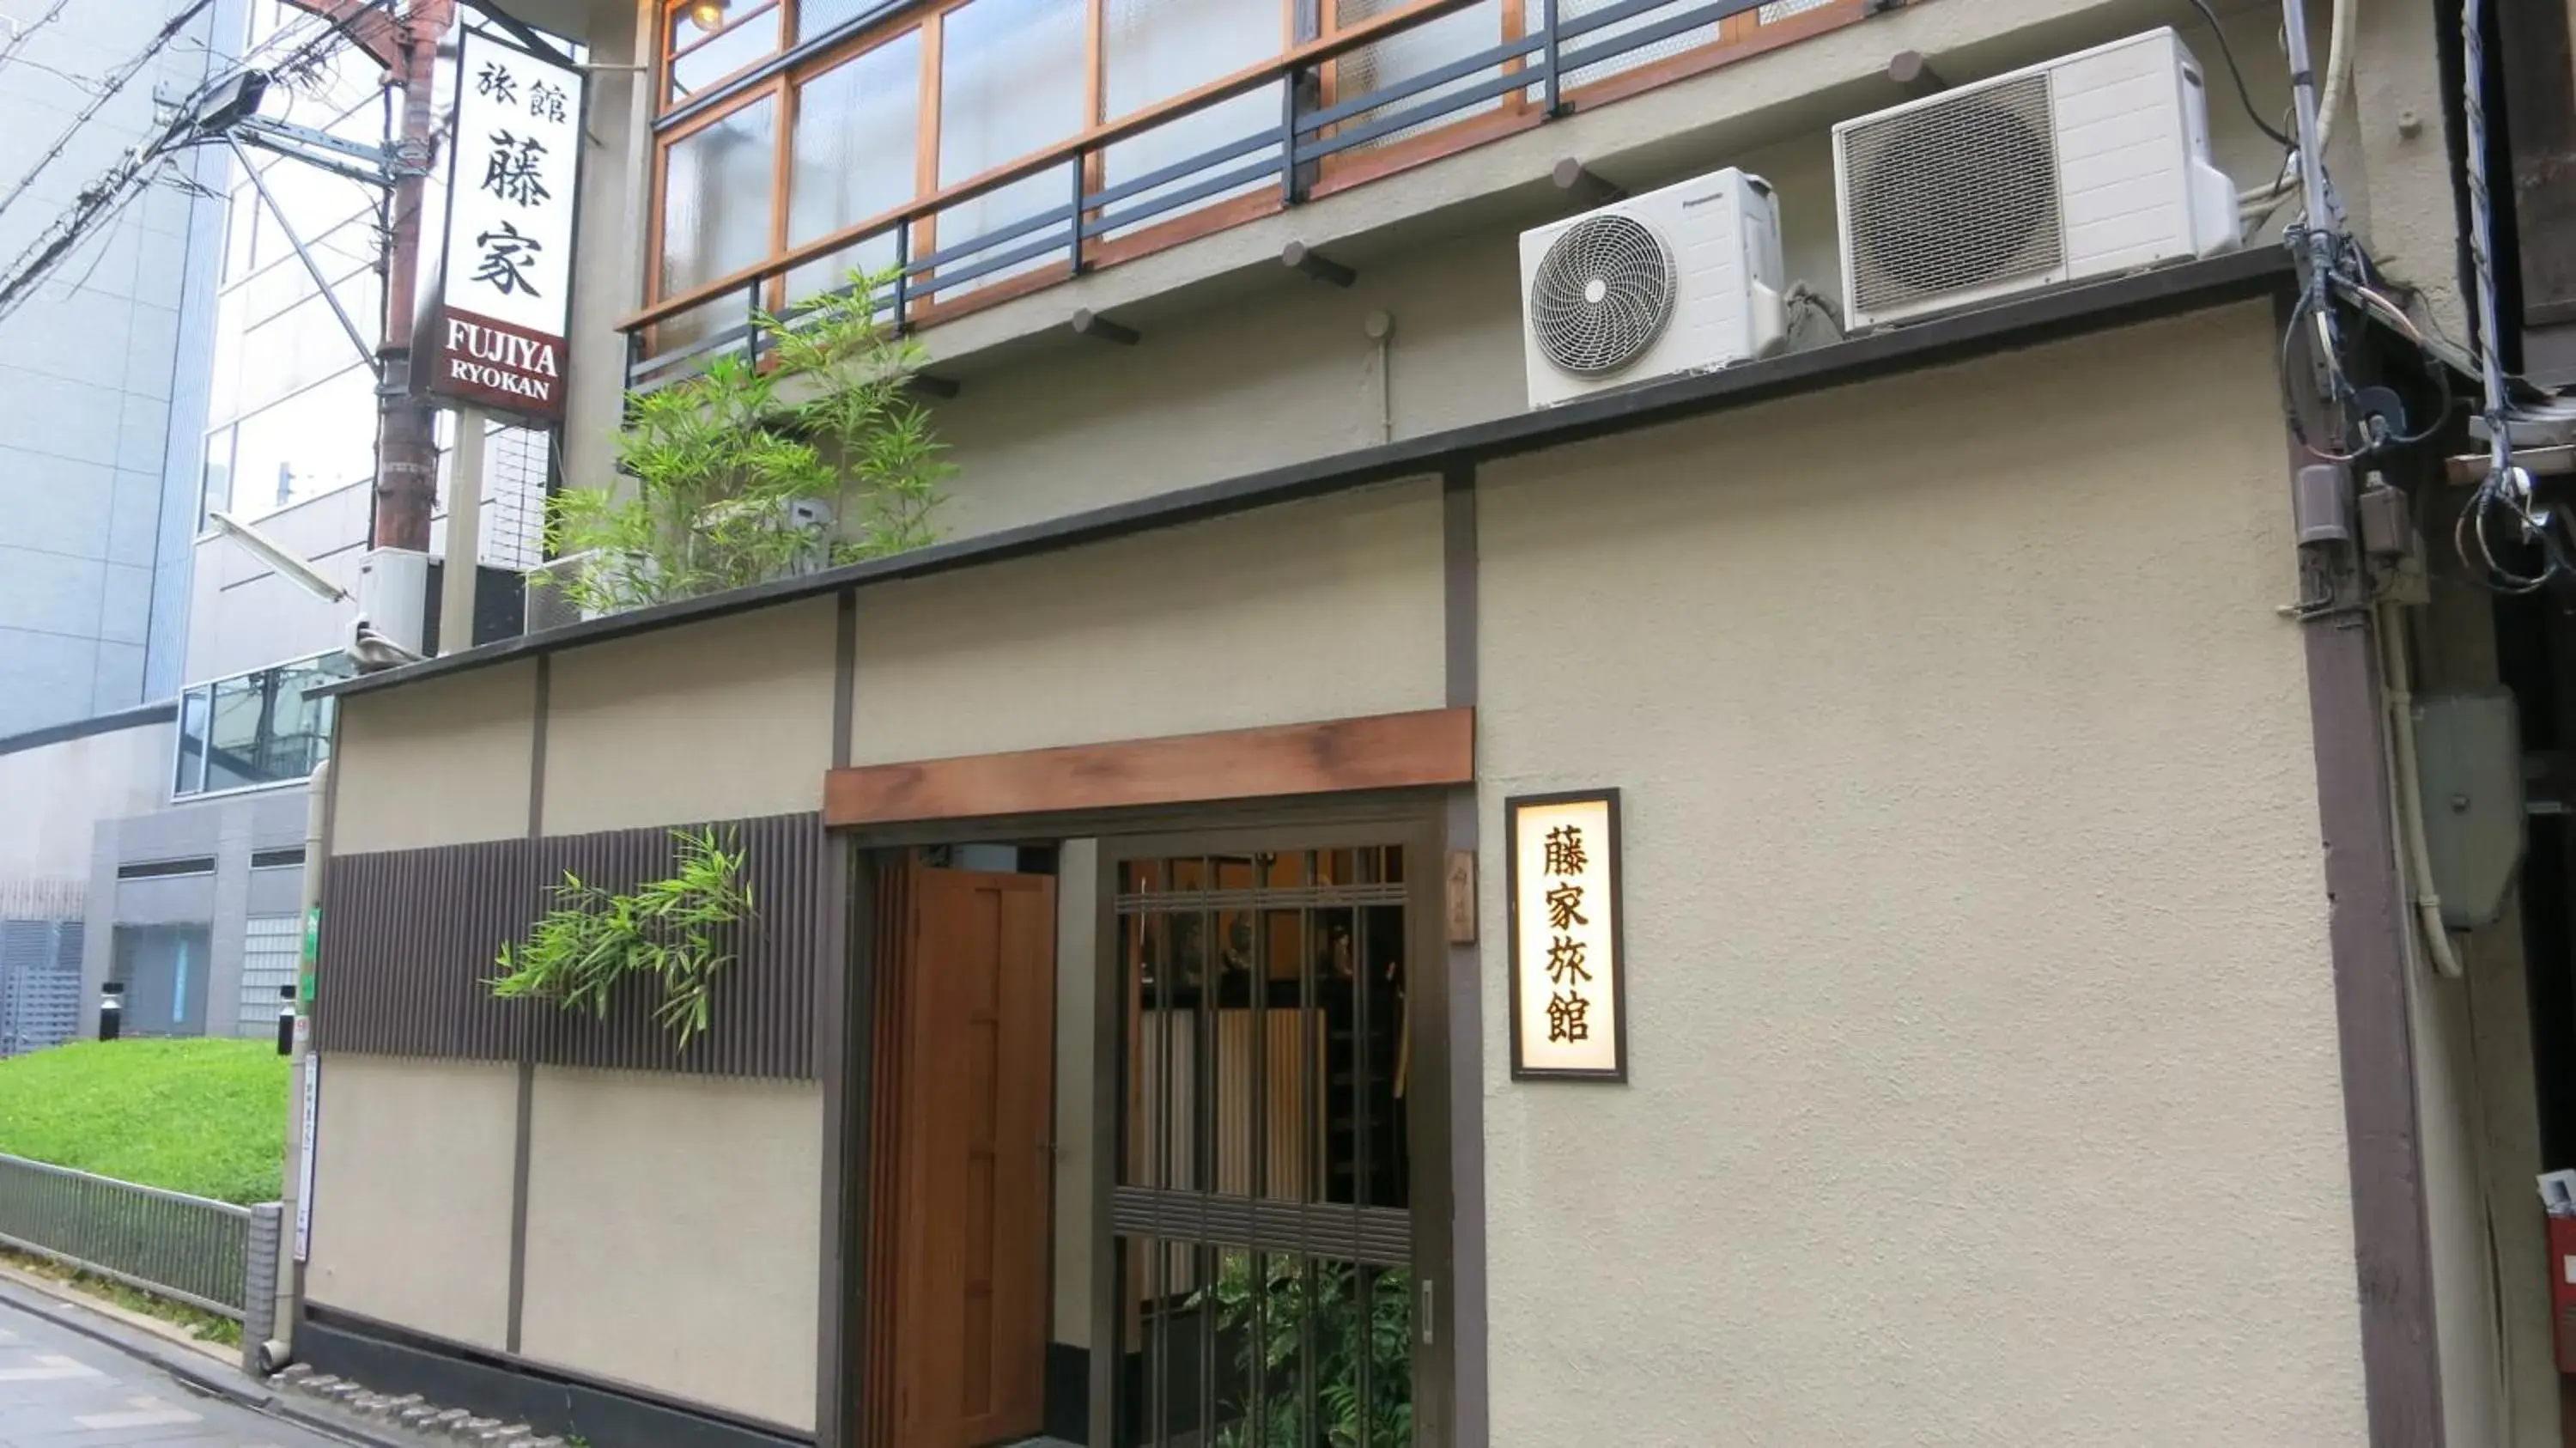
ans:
x=296 y=1184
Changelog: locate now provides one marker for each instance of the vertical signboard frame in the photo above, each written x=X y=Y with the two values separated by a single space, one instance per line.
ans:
x=1547 y=967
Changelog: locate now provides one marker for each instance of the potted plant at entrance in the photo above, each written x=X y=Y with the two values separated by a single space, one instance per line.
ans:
x=1285 y=1324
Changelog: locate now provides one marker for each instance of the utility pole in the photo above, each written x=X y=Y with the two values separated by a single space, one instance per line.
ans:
x=406 y=440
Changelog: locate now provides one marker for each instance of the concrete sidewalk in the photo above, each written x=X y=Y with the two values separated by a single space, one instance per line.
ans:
x=62 y=1387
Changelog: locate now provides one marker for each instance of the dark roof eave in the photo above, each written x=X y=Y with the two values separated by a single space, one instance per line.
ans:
x=2028 y=321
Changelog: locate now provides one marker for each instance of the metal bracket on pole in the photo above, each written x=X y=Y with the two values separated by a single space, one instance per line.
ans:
x=312 y=268
x=374 y=165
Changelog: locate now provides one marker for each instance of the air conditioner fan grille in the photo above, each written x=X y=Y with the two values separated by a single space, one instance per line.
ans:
x=1601 y=295
x=1957 y=195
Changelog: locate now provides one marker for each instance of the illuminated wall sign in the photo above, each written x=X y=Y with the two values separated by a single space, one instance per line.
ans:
x=514 y=175
x=1569 y=995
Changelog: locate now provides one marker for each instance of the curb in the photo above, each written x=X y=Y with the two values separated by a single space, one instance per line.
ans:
x=192 y=1368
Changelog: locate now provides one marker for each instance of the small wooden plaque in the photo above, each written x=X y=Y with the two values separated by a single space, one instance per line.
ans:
x=1462 y=897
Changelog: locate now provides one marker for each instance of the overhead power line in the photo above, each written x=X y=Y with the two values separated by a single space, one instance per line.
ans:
x=114 y=82
x=304 y=43
x=19 y=34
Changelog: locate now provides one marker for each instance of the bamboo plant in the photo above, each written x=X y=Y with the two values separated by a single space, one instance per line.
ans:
x=675 y=932
x=716 y=467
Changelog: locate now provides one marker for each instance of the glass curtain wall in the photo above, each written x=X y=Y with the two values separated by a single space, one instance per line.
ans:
x=255 y=729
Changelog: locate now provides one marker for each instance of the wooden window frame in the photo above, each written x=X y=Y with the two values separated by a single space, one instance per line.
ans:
x=1740 y=37
x=664 y=101
x=796 y=78
x=657 y=222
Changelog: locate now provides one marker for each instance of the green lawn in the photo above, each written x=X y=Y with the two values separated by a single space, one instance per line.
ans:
x=201 y=1116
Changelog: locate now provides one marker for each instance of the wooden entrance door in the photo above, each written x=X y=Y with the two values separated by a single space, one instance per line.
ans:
x=973 y=1140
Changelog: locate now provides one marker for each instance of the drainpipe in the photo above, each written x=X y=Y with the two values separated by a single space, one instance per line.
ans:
x=294 y=1210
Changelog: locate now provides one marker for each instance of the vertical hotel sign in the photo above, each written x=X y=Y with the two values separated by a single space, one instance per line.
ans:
x=514 y=172
x=1569 y=991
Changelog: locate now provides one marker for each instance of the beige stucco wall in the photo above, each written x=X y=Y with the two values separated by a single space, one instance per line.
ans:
x=2393 y=123
x=719 y=720
x=1317 y=610
x=1985 y=1083
x=1270 y=368
x=673 y=1236
x=411 y=1194
x=442 y=762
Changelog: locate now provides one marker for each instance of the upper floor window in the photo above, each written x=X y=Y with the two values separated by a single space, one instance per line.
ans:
x=798 y=139
x=255 y=729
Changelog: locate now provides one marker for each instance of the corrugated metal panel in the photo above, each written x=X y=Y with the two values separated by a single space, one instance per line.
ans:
x=409 y=938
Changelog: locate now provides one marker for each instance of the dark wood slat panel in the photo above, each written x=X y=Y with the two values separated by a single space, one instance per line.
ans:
x=894 y=972
x=407 y=944
x=409 y=939
x=1387 y=751
x=762 y=1005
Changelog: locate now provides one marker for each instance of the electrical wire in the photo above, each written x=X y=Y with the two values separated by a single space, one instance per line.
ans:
x=130 y=196
x=312 y=39
x=114 y=82
x=2339 y=47
x=20 y=33
x=2505 y=488
x=2243 y=92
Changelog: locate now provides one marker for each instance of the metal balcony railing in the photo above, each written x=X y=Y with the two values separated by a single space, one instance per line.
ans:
x=1536 y=65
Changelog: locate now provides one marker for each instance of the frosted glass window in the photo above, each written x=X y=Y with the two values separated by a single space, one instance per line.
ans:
x=716 y=193
x=750 y=41
x=1152 y=50
x=1010 y=83
x=858 y=129
x=1401 y=57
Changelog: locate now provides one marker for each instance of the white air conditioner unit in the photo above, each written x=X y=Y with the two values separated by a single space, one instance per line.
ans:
x=2089 y=166
x=393 y=595
x=1685 y=279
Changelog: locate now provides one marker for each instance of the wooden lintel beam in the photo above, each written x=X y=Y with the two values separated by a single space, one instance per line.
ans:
x=1385 y=751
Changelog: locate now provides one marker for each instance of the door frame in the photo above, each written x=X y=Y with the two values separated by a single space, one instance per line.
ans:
x=1417 y=819
x=1417 y=830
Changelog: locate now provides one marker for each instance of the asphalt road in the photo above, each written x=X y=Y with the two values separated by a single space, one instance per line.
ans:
x=59 y=1389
